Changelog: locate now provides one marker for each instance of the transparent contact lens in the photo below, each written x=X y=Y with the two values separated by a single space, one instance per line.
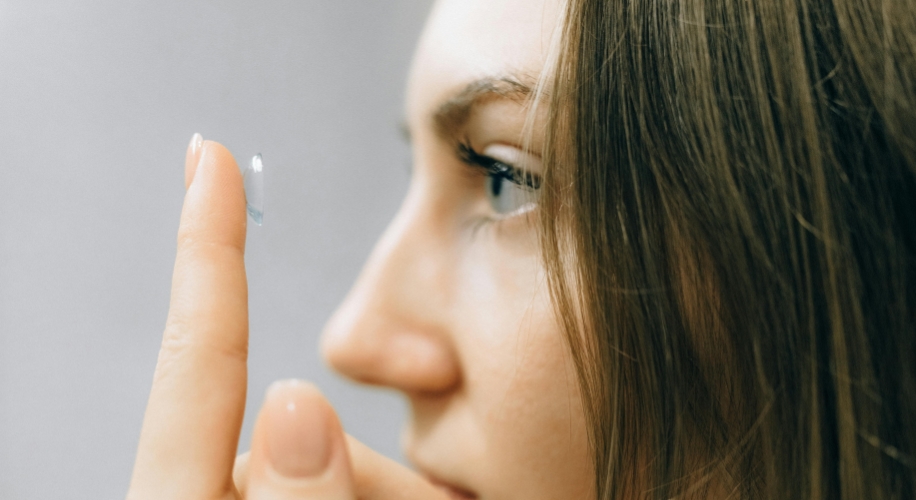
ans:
x=253 y=176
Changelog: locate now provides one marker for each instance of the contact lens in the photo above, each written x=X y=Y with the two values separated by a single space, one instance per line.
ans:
x=253 y=177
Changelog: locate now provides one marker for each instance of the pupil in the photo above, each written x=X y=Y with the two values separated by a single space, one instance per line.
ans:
x=496 y=184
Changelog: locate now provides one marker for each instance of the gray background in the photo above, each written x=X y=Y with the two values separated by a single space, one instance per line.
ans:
x=97 y=103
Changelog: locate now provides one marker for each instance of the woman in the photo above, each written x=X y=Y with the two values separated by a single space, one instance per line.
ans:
x=652 y=250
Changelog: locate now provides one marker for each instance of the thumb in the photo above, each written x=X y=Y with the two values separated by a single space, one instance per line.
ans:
x=377 y=477
x=298 y=449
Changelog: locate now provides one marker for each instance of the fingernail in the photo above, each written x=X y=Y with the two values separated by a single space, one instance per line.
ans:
x=298 y=434
x=192 y=157
x=197 y=141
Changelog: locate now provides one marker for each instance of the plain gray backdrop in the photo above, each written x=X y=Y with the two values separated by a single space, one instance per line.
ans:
x=98 y=101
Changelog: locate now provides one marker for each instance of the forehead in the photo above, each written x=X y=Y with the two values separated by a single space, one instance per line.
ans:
x=466 y=40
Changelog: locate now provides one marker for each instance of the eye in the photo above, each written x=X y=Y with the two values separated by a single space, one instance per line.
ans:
x=510 y=189
x=507 y=194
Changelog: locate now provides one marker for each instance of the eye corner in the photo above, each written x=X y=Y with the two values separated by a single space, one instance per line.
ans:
x=471 y=157
x=465 y=152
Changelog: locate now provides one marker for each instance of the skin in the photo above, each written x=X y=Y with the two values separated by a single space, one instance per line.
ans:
x=456 y=315
x=452 y=309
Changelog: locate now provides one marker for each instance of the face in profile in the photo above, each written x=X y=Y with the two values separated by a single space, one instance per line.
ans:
x=452 y=308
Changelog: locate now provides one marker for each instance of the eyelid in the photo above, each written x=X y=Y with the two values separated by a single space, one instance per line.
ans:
x=505 y=161
x=514 y=157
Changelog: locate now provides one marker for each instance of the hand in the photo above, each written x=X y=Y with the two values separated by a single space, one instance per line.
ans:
x=194 y=415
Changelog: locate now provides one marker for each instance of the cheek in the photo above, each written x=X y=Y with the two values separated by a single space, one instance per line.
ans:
x=520 y=379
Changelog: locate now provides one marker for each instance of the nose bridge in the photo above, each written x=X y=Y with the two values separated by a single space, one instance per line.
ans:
x=410 y=262
x=394 y=328
x=408 y=272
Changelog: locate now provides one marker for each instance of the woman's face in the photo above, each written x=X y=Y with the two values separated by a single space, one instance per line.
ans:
x=452 y=308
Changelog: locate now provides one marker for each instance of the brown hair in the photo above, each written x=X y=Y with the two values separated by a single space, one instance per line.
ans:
x=730 y=231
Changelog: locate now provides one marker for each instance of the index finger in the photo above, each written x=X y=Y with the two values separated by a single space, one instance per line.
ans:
x=191 y=427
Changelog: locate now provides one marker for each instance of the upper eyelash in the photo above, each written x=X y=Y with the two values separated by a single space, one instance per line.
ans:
x=497 y=168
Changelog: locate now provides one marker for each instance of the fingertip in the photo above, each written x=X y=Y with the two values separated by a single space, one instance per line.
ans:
x=300 y=430
x=292 y=387
x=214 y=210
x=240 y=471
x=216 y=161
x=298 y=444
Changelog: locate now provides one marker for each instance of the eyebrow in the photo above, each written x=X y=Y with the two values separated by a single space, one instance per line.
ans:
x=452 y=115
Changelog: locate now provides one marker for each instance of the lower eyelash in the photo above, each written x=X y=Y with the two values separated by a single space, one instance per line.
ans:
x=494 y=168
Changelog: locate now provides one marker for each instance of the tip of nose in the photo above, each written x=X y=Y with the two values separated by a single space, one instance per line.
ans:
x=333 y=348
x=401 y=359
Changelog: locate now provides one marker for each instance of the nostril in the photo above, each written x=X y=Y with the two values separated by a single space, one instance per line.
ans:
x=421 y=362
x=390 y=355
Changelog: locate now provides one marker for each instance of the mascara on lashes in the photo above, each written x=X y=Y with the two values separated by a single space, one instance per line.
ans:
x=496 y=168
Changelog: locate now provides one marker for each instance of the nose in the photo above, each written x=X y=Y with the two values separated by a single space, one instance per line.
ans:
x=393 y=327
